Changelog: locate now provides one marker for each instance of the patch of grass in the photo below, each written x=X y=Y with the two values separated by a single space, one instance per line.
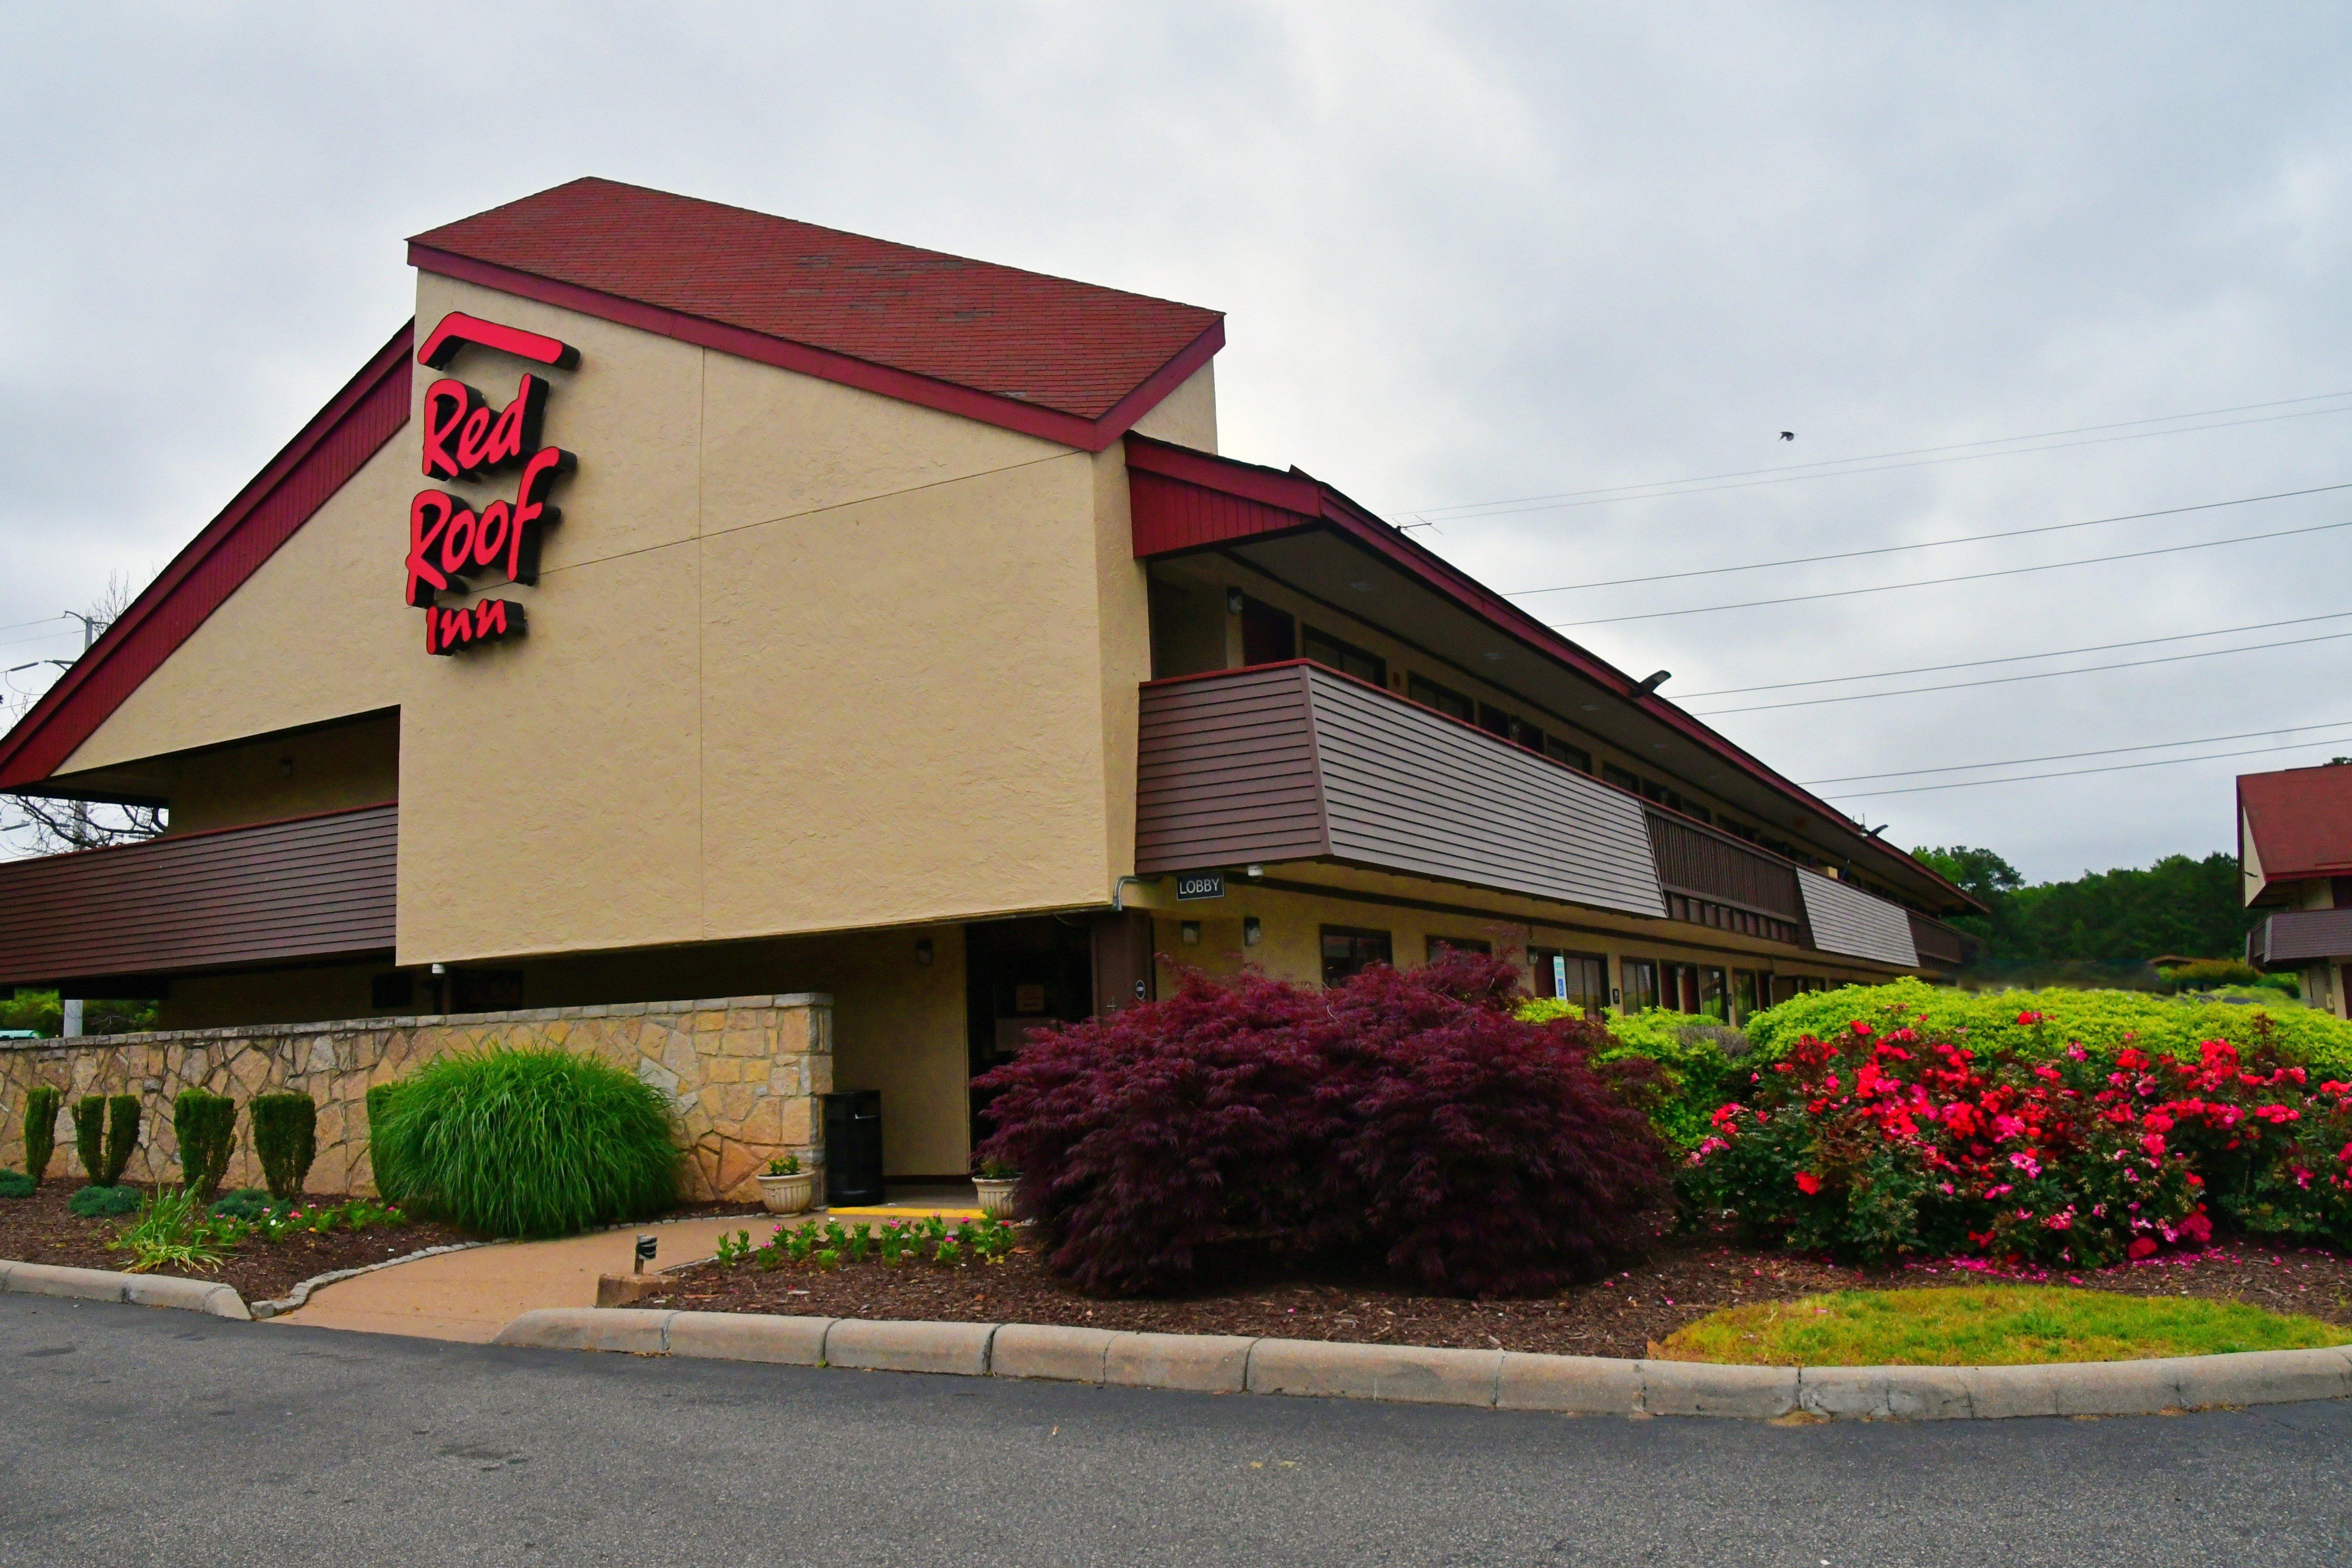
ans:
x=1988 y=1325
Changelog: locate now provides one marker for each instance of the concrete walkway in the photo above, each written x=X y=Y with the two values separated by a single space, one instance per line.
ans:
x=471 y=1295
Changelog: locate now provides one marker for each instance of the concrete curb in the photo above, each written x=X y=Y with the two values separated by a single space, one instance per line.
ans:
x=1498 y=1380
x=139 y=1289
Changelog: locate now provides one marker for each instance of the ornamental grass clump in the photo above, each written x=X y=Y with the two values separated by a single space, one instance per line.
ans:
x=532 y=1142
x=1407 y=1120
x=1876 y=1146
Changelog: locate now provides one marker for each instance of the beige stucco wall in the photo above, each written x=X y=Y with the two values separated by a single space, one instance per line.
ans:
x=743 y=1074
x=802 y=658
x=1188 y=415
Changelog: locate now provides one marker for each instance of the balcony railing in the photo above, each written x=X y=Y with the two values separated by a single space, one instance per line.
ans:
x=292 y=891
x=1294 y=761
x=2295 y=937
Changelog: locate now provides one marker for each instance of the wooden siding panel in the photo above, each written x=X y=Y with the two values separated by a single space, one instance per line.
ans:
x=1410 y=790
x=1226 y=771
x=314 y=887
x=1706 y=865
x=2295 y=936
x=1938 y=943
x=1846 y=919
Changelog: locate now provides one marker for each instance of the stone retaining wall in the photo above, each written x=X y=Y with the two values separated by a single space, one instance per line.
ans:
x=742 y=1071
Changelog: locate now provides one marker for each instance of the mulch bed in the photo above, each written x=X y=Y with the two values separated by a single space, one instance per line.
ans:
x=1683 y=1279
x=41 y=1229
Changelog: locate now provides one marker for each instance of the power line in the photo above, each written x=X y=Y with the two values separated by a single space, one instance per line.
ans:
x=1930 y=544
x=2077 y=772
x=18 y=626
x=2012 y=658
x=2097 y=751
x=1963 y=577
x=2010 y=679
x=1829 y=466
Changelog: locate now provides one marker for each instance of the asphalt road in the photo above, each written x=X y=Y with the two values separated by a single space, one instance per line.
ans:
x=131 y=1436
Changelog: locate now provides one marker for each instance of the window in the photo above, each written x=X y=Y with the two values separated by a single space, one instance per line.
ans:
x=1640 y=979
x=1678 y=987
x=1560 y=751
x=485 y=989
x=1578 y=977
x=1746 y=993
x=1612 y=774
x=1347 y=952
x=1715 y=994
x=1438 y=946
x=392 y=992
x=1345 y=657
x=1430 y=694
x=1267 y=634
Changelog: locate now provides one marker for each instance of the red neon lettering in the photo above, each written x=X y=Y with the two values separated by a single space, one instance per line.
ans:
x=428 y=516
x=517 y=430
x=448 y=405
x=457 y=543
x=531 y=513
x=490 y=534
x=457 y=329
x=446 y=631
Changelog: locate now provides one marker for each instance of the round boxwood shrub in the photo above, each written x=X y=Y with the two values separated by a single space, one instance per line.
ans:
x=17 y=1184
x=102 y=1203
x=527 y=1143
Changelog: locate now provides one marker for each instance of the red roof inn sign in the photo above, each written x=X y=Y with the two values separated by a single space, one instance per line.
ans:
x=450 y=544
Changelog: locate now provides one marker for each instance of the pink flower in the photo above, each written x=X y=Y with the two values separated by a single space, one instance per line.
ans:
x=2141 y=1246
x=2154 y=1144
x=2076 y=1052
x=2027 y=1164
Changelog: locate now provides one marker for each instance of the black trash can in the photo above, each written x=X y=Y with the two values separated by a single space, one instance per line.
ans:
x=853 y=1148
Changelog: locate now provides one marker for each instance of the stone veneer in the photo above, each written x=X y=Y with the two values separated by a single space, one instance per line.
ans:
x=743 y=1073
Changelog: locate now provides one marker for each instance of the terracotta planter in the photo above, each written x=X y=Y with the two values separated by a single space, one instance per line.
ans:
x=788 y=1194
x=996 y=1197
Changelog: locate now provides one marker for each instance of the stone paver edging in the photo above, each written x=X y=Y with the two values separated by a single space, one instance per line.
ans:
x=1492 y=1379
x=139 y=1289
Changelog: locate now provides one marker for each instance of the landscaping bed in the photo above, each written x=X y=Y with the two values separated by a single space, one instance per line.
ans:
x=41 y=1229
x=1682 y=1280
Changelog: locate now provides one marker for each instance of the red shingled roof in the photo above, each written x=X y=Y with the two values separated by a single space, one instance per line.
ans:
x=2301 y=821
x=1073 y=350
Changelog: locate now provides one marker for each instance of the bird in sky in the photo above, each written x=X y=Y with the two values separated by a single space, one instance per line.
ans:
x=1787 y=435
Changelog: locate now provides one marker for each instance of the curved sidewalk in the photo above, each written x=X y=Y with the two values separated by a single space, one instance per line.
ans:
x=471 y=1295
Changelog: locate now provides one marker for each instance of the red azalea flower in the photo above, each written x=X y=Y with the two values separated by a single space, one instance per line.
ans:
x=2029 y=1019
x=2141 y=1246
x=1808 y=1184
x=1859 y=1027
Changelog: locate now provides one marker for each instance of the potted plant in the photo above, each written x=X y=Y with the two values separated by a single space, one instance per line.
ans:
x=786 y=1188
x=996 y=1180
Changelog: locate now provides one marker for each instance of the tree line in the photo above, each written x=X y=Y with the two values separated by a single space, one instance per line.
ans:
x=2178 y=905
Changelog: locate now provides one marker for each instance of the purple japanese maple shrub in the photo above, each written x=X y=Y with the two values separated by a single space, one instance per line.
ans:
x=1174 y=1124
x=1406 y=1118
x=1478 y=1153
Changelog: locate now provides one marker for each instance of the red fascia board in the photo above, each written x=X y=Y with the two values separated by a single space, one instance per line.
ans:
x=372 y=408
x=1006 y=413
x=1290 y=492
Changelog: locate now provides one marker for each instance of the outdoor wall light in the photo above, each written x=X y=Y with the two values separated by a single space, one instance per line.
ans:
x=1254 y=872
x=923 y=952
x=1188 y=932
x=440 y=969
x=1250 y=931
x=1232 y=601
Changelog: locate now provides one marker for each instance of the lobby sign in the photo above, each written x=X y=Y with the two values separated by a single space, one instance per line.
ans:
x=450 y=542
x=1201 y=884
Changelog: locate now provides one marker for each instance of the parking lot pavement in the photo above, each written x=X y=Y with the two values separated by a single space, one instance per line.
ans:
x=136 y=1434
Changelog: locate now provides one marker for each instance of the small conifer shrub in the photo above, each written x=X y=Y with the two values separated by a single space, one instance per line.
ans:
x=106 y=1132
x=40 y=1129
x=285 y=1138
x=206 y=1126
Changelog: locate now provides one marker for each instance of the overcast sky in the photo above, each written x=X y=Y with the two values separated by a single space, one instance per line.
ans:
x=1468 y=255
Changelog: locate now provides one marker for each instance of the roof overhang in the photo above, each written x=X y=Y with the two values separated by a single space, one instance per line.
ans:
x=1185 y=502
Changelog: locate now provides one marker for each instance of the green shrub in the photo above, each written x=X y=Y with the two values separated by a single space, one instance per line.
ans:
x=17 y=1184
x=100 y=1203
x=526 y=1142
x=40 y=1129
x=206 y=1126
x=1698 y=1062
x=2103 y=1021
x=285 y=1138
x=379 y=1107
x=106 y=1130
x=2206 y=974
x=247 y=1203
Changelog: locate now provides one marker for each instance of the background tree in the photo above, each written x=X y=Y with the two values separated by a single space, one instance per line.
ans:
x=37 y=824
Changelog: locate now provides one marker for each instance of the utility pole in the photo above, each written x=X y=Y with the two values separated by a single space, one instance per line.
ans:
x=71 y=1009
